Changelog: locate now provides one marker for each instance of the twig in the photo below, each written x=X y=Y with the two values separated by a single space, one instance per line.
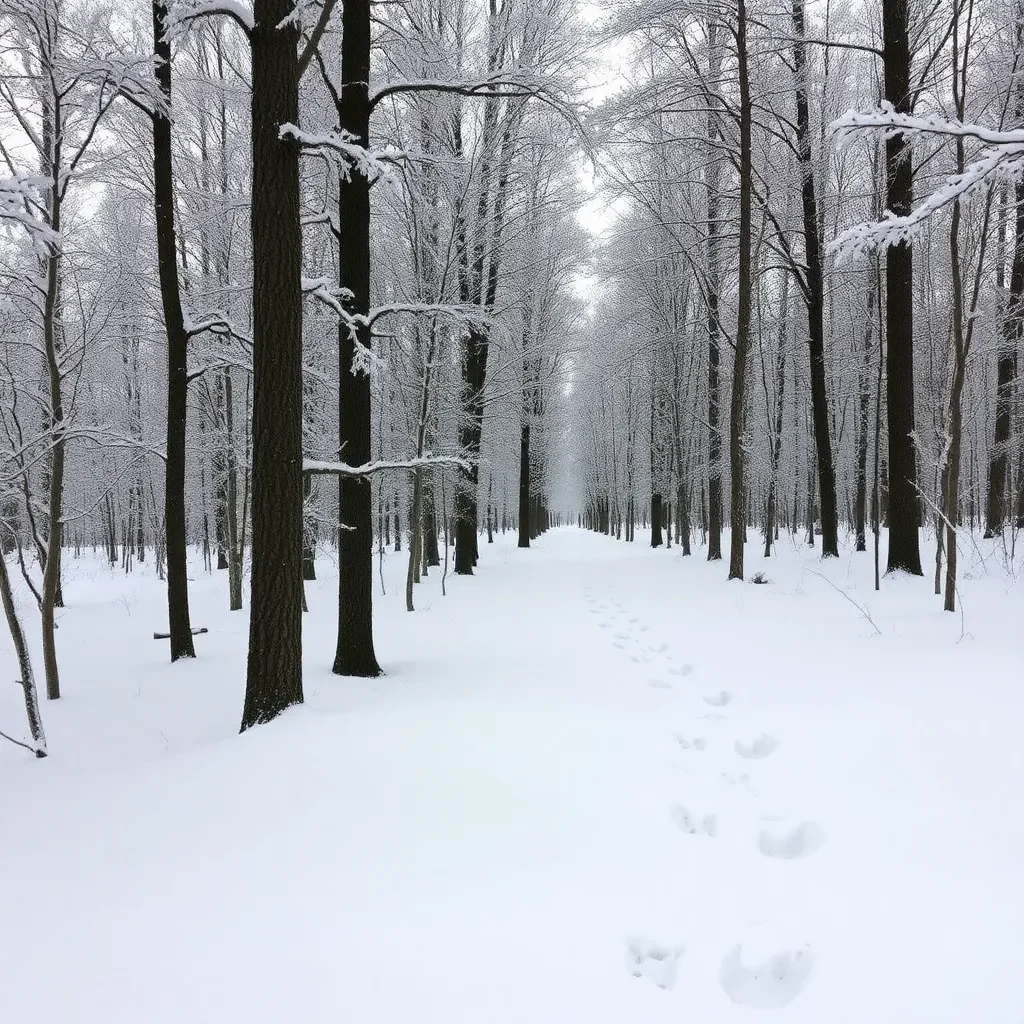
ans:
x=843 y=593
x=18 y=743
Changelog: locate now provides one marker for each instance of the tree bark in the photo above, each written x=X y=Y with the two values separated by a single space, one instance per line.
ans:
x=815 y=296
x=903 y=502
x=27 y=680
x=51 y=344
x=524 y=481
x=999 y=500
x=737 y=424
x=714 y=329
x=274 y=666
x=355 y=654
x=179 y=622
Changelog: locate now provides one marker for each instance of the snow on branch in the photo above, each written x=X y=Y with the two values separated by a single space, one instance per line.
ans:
x=370 y=163
x=885 y=116
x=316 y=467
x=1002 y=155
x=324 y=290
x=217 y=323
x=464 y=313
x=132 y=78
x=19 y=196
x=506 y=83
x=183 y=12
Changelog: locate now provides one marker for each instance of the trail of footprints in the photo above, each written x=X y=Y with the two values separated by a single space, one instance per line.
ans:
x=627 y=635
x=778 y=980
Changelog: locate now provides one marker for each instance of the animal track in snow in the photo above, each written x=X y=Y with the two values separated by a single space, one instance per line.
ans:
x=682 y=670
x=712 y=716
x=659 y=684
x=718 y=700
x=604 y=625
x=792 y=843
x=623 y=636
x=621 y=646
x=698 y=743
x=770 y=985
x=650 y=960
x=640 y=659
x=736 y=778
x=688 y=823
x=762 y=746
x=659 y=649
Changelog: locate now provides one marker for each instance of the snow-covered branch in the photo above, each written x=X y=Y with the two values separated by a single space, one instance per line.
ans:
x=464 y=313
x=370 y=163
x=183 y=12
x=316 y=467
x=18 y=198
x=1002 y=155
x=885 y=116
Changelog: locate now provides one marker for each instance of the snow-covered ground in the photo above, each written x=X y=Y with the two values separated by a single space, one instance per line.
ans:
x=597 y=784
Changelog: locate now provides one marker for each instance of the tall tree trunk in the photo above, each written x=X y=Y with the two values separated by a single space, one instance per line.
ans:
x=27 y=680
x=431 y=554
x=737 y=425
x=863 y=424
x=780 y=396
x=815 y=295
x=274 y=666
x=355 y=655
x=234 y=548
x=999 y=500
x=524 y=481
x=963 y=319
x=903 y=502
x=309 y=535
x=656 y=520
x=179 y=623
x=51 y=345
x=714 y=330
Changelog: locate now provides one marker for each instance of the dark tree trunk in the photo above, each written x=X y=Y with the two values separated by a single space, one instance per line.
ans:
x=470 y=434
x=863 y=425
x=683 y=504
x=308 y=536
x=431 y=554
x=714 y=505
x=274 y=669
x=739 y=373
x=815 y=295
x=524 y=482
x=179 y=623
x=656 y=518
x=904 y=504
x=771 y=506
x=355 y=655
x=1006 y=373
x=21 y=650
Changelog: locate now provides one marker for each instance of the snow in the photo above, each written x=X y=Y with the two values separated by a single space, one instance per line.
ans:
x=598 y=783
x=1002 y=156
x=184 y=12
x=319 y=467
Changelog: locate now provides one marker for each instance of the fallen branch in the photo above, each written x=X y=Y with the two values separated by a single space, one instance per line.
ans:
x=167 y=636
x=864 y=612
x=27 y=746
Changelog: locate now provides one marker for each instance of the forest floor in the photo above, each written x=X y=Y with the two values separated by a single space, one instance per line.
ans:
x=598 y=784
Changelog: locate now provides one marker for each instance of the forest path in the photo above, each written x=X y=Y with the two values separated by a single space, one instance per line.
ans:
x=598 y=783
